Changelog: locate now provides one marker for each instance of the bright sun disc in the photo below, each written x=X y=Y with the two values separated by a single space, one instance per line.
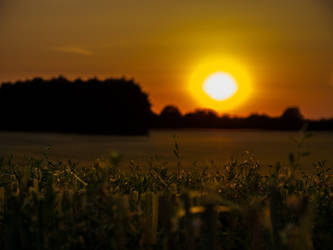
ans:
x=220 y=83
x=220 y=86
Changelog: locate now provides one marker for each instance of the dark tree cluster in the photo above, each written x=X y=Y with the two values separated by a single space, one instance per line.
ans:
x=112 y=106
x=116 y=106
x=291 y=119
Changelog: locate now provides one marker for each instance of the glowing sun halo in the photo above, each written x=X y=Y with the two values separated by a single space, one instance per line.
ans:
x=219 y=82
x=220 y=86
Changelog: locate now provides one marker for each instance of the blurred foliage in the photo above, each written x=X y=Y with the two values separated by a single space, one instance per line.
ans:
x=62 y=205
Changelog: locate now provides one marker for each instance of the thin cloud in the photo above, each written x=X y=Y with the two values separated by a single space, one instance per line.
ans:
x=74 y=50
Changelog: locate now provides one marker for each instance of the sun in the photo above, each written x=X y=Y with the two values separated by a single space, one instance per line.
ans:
x=220 y=86
x=220 y=83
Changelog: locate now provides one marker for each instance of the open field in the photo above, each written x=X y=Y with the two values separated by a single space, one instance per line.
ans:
x=166 y=125
x=47 y=204
x=201 y=146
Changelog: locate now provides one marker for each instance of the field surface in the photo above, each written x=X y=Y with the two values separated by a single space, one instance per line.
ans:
x=201 y=146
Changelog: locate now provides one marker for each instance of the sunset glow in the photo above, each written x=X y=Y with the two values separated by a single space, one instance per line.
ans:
x=220 y=86
x=286 y=47
x=212 y=87
x=160 y=125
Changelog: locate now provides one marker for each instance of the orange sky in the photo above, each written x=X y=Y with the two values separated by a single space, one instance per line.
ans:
x=286 y=46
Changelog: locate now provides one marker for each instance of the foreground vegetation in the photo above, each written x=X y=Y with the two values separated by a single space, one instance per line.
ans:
x=55 y=205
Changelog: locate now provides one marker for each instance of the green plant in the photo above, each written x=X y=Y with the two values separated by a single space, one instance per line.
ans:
x=64 y=205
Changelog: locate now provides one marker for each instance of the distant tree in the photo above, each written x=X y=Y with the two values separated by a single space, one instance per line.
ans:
x=112 y=106
x=170 y=116
x=78 y=81
x=292 y=113
x=202 y=118
x=291 y=118
x=259 y=121
x=170 y=111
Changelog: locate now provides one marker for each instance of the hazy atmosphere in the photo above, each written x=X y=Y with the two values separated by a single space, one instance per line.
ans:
x=166 y=124
x=285 y=47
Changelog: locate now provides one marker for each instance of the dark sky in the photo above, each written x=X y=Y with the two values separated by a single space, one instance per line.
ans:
x=285 y=46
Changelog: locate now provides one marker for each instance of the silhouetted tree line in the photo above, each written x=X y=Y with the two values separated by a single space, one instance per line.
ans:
x=112 y=106
x=291 y=119
x=116 y=106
